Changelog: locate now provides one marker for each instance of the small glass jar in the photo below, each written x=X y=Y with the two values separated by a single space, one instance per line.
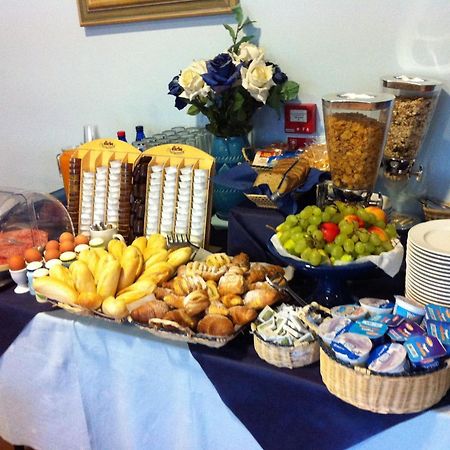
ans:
x=415 y=101
x=356 y=127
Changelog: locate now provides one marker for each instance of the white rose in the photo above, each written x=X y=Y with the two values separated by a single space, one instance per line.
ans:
x=192 y=82
x=249 y=52
x=257 y=79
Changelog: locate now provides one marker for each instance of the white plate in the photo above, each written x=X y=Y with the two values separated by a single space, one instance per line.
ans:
x=426 y=294
x=432 y=236
x=415 y=295
x=428 y=268
x=411 y=295
x=429 y=263
x=429 y=288
x=424 y=254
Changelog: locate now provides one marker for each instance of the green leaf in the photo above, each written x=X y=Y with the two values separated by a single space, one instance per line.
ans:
x=238 y=101
x=289 y=90
x=193 y=110
x=230 y=30
x=238 y=14
x=275 y=98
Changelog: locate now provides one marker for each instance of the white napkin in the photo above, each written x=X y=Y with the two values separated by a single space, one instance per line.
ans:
x=389 y=262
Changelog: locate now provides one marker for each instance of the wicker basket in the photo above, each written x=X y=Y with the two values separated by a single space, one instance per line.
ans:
x=435 y=213
x=290 y=357
x=384 y=394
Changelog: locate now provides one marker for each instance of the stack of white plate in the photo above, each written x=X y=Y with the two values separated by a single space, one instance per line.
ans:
x=428 y=263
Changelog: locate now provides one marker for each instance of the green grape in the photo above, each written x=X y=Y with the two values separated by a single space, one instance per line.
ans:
x=330 y=209
x=380 y=224
x=311 y=228
x=316 y=211
x=305 y=214
x=391 y=230
x=374 y=239
x=291 y=220
x=349 y=210
x=300 y=246
x=284 y=237
x=337 y=252
x=315 y=220
x=363 y=215
x=387 y=246
x=340 y=239
x=317 y=235
x=328 y=248
x=282 y=227
x=355 y=238
x=346 y=257
x=363 y=235
x=360 y=248
x=371 y=218
x=340 y=206
x=378 y=249
x=369 y=248
x=337 y=217
x=326 y=216
x=289 y=245
x=306 y=254
x=346 y=227
x=315 y=258
x=304 y=223
x=349 y=246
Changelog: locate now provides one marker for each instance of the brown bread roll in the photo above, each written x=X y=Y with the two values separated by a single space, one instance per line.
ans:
x=150 y=310
x=241 y=315
x=260 y=297
x=215 y=325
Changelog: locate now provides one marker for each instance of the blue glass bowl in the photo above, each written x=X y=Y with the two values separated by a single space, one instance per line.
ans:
x=331 y=281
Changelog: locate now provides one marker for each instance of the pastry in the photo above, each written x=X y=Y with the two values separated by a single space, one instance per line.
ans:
x=212 y=291
x=241 y=315
x=175 y=301
x=218 y=260
x=215 y=325
x=181 y=317
x=217 y=307
x=205 y=271
x=90 y=300
x=230 y=300
x=260 y=297
x=232 y=282
x=150 y=310
x=241 y=260
x=196 y=302
x=188 y=283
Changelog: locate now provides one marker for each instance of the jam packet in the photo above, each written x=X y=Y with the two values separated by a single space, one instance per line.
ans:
x=423 y=351
x=391 y=320
x=438 y=313
x=440 y=330
x=387 y=358
x=405 y=330
x=375 y=331
x=352 y=312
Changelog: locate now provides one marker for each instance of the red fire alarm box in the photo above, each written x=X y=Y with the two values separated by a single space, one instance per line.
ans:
x=300 y=118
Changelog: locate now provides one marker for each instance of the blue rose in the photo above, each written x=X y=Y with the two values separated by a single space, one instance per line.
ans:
x=279 y=77
x=222 y=73
x=174 y=87
x=180 y=103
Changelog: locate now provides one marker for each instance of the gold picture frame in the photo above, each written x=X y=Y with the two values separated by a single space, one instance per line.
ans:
x=103 y=12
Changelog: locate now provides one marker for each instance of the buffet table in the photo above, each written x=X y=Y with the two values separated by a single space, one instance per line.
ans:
x=86 y=383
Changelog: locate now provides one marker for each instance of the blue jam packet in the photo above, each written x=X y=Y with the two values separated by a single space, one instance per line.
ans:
x=391 y=320
x=405 y=330
x=373 y=330
x=439 y=313
x=440 y=330
x=423 y=350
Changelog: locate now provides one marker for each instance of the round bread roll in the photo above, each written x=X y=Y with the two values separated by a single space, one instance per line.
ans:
x=241 y=315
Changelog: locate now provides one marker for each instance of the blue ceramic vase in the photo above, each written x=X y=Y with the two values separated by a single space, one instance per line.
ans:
x=228 y=153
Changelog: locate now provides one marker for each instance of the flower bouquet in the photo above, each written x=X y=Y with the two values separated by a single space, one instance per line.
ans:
x=229 y=88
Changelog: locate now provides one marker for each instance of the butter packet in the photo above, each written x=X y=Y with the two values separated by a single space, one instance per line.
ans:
x=405 y=330
x=423 y=349
x=438 y=313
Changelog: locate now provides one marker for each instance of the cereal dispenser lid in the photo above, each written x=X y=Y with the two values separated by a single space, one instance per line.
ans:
x=413 y=83
x=358 y=101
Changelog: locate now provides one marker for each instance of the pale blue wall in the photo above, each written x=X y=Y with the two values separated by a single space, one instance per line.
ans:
x=55 y=76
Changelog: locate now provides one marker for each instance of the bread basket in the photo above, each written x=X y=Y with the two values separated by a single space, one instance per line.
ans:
x=291 y=357
x=382 y=393
x=435 y=210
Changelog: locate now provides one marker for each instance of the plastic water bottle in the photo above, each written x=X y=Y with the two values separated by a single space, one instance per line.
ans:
x=139 y=133
x=121 y=136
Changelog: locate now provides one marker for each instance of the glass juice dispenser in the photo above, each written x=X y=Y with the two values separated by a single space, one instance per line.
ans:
x=415 y=102
x=356 y=127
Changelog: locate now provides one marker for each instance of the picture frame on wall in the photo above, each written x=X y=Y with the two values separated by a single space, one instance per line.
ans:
x=103 y=12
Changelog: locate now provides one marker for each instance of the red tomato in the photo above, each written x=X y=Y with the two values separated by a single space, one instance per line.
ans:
x=330 y=230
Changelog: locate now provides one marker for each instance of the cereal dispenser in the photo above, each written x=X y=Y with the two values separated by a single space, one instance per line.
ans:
x=356 y=128
x=415 y=101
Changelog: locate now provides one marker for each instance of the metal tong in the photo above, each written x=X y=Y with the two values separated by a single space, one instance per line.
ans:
x=285 y=289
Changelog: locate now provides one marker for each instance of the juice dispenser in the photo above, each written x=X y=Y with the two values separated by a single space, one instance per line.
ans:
x=356 y=128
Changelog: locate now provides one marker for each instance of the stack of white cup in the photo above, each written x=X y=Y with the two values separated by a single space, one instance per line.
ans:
x=87 y=201
x=112 y=207
x=199 y=206
x=183 y=200
x=153 y=199
x=168 y=199
x=101 y=178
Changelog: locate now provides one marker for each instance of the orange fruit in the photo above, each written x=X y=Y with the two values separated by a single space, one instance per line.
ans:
x=66 y=246
x=52 y=253
x=16 y=262
x=66 y=236
x=52 y=245
x=32 y=254
x=81 y=239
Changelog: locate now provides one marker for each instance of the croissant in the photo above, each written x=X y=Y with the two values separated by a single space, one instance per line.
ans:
x=181 y=317
x=161 y=292
x=150 y=310
x=241 y=260
x=230 y=300
x=215 y=325
x=241 y=315
x=196 y=302
x=260 y=297
x=217 y=307
x=175 y=301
